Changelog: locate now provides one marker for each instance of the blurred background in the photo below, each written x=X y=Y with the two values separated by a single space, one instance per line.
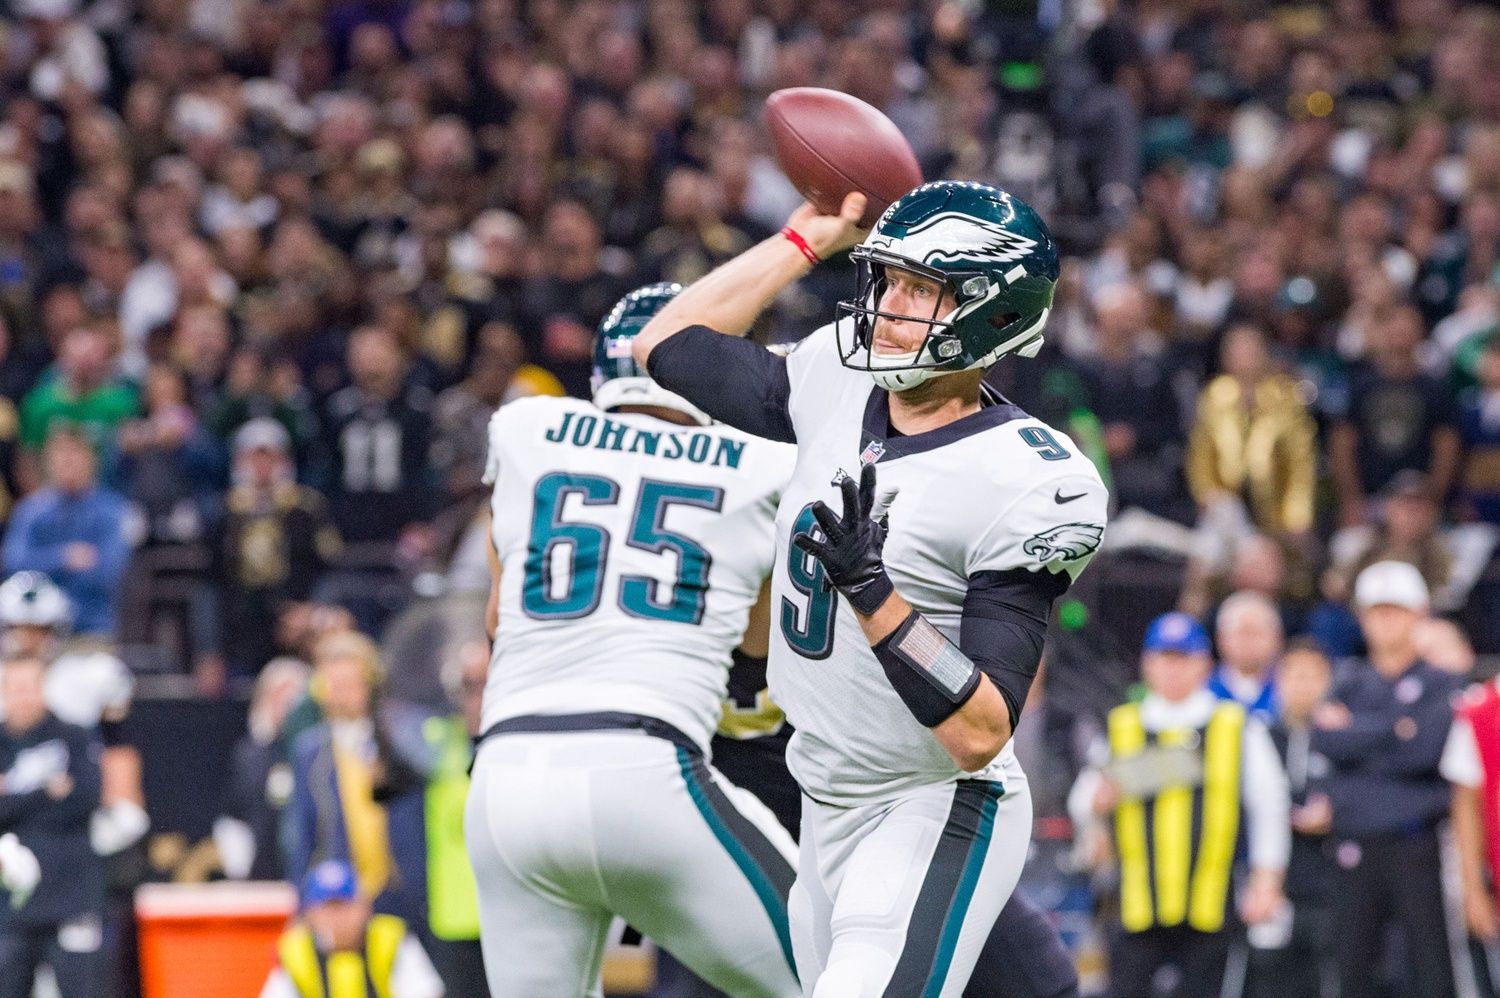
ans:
x=267 y=266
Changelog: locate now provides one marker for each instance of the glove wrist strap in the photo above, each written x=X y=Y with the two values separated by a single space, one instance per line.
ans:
x=869 y=595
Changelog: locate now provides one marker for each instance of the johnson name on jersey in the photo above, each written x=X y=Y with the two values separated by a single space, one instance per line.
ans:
x=994 y=492
x=631 y=551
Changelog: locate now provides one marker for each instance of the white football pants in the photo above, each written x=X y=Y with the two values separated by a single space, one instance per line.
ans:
x=896 y=899
x=568 y=829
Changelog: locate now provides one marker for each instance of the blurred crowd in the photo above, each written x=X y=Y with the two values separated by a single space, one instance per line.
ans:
x=267 y=266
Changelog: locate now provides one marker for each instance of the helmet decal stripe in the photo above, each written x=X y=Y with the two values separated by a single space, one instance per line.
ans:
x=952 y=235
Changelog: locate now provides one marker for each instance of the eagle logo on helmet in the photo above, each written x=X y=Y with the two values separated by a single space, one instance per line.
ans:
x=1068 y=542
x=955 y=236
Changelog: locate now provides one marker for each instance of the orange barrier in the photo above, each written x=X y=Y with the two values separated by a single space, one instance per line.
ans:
x=210 y=940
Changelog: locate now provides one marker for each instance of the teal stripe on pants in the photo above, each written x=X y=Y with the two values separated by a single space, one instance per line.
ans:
x=942 y=902
x=948 y=940
x=768 y=872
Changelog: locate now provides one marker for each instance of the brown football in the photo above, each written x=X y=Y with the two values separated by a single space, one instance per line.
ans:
x=829 y=143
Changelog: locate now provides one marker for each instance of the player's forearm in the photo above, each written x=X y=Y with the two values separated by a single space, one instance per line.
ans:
x=973 y=733
x=730 y=298
x=979 y=729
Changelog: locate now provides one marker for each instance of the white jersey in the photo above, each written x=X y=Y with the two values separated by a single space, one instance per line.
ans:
x=992 y=492
x=631 y=551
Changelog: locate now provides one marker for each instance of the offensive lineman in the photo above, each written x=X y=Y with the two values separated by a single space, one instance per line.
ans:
x=909 y=627
x=630 y=541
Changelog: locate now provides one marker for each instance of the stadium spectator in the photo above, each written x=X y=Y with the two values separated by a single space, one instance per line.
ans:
x=339 y=774
x=1145 y=781
x=20 y=263
x=150 y=295
x=563 y=306
x=72 y=530
x=451 y=932
x=1396 y=419
x=1383 y=731
x=247 y=832
x=1252 y=445
x=166 y=464
x=693 y=238
x=256 y=385
x=199 y=347
x=461 y=414
x=49 y=787
x=1479 y=426
x=1248 y=632
x=275 y=542
x=82 y=390
x=336 y=938
x=379 y=433
x=1301 y=968
x=1131 y=393
x=10 y=425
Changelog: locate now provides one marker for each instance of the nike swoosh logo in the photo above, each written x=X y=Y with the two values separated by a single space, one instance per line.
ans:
x=1059 y=498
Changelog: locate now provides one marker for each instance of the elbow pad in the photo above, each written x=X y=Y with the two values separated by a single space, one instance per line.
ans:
x=930 y=675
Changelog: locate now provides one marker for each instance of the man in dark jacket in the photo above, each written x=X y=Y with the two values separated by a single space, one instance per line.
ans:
x=49 y=787
x=1383 y=731
x=1300 y=968
x=276 y=541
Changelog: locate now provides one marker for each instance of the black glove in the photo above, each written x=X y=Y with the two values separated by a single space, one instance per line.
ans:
x=851 y=553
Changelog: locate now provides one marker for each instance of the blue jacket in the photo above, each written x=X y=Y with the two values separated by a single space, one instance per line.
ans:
x=317 y=831
x=1266 y=706
x=1384 y=777
x=46 y=522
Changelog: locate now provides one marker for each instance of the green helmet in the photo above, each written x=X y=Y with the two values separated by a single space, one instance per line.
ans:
x=618 y=380
x=993 y=254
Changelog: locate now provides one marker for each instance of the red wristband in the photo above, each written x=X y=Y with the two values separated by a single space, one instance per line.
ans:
x=795 y=238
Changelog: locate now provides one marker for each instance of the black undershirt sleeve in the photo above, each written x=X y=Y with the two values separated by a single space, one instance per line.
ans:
x=732 y=379
x=1003 y=626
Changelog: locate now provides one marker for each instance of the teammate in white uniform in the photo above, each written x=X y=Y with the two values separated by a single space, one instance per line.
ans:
x=631 y=540
x=908 y=628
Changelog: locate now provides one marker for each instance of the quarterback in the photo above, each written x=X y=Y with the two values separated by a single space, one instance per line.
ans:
x=630 y=541
x=925 y=531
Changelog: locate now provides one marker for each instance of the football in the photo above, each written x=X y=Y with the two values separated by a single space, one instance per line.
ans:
x=829 y=143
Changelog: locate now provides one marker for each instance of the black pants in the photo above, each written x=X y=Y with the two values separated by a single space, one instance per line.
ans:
x=1023 y=957
x=1200 y=957
x=459 y=963
x=1298 y=969
x=1385 y=880
x=23 y=949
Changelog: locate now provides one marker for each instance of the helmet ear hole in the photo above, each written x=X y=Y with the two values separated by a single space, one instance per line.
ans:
x=1001 y=321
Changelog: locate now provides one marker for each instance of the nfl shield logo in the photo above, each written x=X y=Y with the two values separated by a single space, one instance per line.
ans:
x=872 y=452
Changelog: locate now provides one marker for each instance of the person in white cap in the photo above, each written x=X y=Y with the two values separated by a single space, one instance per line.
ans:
x=1382 y=732
x=275 y=542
